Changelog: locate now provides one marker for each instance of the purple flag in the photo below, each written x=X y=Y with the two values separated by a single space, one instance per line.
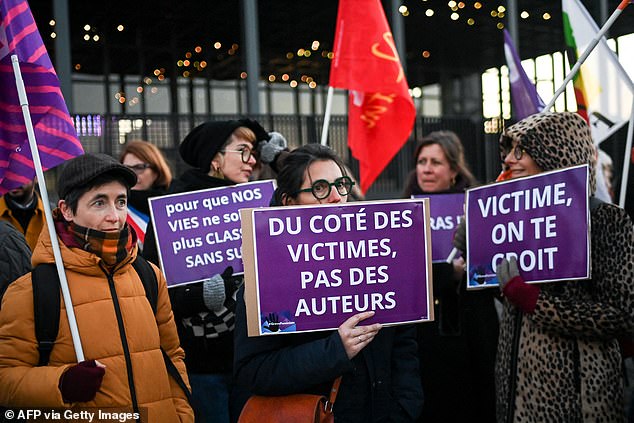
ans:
x=526 y=101
x=53 y=127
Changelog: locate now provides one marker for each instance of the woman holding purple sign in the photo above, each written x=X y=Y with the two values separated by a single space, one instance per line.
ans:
x=558 y=355
x=222 y=153
x=378 y=366
x=457 y=349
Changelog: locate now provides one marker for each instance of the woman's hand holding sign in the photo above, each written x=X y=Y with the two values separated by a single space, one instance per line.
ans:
x=512 y=285
x=355 y=338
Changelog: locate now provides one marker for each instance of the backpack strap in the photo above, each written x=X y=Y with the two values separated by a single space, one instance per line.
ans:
x=173 y=371
x=150 y=284
x=46 y=306
x=148 y=279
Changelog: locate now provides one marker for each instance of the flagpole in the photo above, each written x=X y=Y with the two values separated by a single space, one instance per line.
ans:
x=626 y=159
x=37 y=164
x=587 y=52
x=324 y=131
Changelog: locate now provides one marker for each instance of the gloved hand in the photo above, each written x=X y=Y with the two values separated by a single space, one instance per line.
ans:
x=270 y=149
x=218 y=288
x=518 y=292
x=81 y=382
x=460 y=237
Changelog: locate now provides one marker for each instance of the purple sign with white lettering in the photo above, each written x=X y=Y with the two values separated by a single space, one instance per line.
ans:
x=542 y=220
x=317 y=266
x=198 y=233
x=446 y=211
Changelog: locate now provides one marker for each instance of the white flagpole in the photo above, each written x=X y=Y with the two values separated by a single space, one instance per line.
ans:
x=324 y=131
x=626 y=159
x=587 y=52
x=70 y=312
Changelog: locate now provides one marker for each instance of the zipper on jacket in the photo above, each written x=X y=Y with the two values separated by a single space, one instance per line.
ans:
x=124 y=343
x=510 y=404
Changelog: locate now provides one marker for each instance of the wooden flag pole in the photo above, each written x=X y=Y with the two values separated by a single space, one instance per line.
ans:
x=587 y=52
x=37 y=164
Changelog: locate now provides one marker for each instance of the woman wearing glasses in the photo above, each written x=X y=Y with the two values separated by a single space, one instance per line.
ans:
x=379 y=367
x=457 y=349
x=558 y=356
x=222 y=154
x=153 y=178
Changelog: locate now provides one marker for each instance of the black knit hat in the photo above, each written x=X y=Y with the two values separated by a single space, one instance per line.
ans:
x=204 y=141
x=81 y=170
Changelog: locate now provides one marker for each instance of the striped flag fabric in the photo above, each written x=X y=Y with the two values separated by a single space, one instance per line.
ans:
x=139 y=222
x=526 y=100
x=53 y=126
x=603 y=90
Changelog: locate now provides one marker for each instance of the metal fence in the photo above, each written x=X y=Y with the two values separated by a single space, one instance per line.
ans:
x=108 y=134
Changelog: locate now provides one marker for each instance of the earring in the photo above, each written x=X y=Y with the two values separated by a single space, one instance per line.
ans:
x=453 y=180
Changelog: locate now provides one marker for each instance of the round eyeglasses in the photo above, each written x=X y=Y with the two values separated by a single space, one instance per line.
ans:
x=321 y=188
x=245 y=153
x=507 y=147
x=139 y=168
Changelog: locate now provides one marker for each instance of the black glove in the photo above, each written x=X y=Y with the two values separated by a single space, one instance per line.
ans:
x=268 y=150
x=460 y=237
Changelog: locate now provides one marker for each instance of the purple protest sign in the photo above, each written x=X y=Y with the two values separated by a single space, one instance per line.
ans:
x=446 y=211
x=541 y=220
x=311 y=268
x=198 y=233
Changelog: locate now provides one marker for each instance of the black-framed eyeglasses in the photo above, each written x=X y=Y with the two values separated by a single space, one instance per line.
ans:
x=245 y=153
x=139 y=168
x=321 y=188
x=506 y=147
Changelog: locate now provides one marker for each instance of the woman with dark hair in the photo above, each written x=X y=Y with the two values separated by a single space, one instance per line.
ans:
x=457 y=349
x=221 y=153
x=440 y=166
x=379 y=367
x=153 y=178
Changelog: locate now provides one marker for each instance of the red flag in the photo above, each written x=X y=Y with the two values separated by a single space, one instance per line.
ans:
x=381 y=110
x=53 y=127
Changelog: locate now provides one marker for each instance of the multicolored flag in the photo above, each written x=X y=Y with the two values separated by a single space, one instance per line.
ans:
x=53 y=127
x=381 y=110
x=526 y=100
x=139 y=221
x=603 y=89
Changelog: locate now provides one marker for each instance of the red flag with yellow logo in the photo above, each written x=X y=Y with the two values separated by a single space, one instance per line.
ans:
x=381 y=110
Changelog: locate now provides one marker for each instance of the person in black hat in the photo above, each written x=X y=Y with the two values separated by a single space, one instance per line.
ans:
x=221 y=153
x=123 y=339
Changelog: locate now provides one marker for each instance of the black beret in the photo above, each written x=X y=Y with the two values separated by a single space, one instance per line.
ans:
x=83 y=169
x=204 y=141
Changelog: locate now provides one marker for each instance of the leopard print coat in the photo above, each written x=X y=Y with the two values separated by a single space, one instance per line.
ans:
x=562 y=363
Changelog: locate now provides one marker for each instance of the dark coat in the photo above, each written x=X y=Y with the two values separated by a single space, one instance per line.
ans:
x=457 y=350
x=380 y=384
x=212 y=353
x=15 y=255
